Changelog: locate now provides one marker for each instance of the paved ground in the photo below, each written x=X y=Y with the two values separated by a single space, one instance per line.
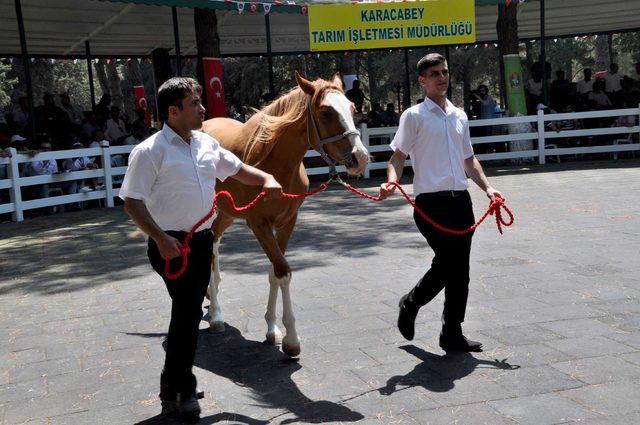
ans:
x=556 y=301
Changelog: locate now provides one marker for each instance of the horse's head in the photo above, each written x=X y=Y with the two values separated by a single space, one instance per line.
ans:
x=331 y=129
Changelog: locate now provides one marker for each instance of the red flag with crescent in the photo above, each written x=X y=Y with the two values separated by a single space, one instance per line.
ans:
x=140 y=100
x=214 y=88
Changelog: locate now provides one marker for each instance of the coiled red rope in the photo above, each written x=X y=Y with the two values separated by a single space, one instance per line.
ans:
x=495 y=208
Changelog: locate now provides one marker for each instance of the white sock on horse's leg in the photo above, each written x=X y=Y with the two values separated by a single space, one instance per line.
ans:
x=216 y=324
x=290 y=343
x=274 y=335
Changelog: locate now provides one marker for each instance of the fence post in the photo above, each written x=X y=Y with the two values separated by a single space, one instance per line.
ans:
x=364 y=136
x=541 y=147
x=15 y=193
x=106 y=166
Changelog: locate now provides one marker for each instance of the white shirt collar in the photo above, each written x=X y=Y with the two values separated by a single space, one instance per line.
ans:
x=171 y=135
x=431 y=105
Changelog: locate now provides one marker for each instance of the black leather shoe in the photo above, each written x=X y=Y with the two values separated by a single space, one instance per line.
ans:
x=459 y=343
x=169 y=409
x=189 y=409
x=406 y=319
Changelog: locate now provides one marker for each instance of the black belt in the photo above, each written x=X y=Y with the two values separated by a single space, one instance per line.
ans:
x=181 y=234
x=446 y=193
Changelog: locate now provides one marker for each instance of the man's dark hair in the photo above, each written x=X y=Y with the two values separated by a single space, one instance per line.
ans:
x=173 y=91
x=429 y=60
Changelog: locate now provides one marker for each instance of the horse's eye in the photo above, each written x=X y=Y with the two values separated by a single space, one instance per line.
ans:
x=324 y=114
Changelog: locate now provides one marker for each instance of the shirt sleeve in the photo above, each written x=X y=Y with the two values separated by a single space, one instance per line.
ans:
x=467 y=149
x=227 y=165
x=140 y=176
x=405 y=137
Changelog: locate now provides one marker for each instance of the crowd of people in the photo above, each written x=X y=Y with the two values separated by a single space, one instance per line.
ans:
x=64 y=125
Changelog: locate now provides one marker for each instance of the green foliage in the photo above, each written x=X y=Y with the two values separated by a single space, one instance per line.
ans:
x=6 y=84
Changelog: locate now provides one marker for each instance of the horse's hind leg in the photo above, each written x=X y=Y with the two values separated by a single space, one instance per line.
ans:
x=216 y=323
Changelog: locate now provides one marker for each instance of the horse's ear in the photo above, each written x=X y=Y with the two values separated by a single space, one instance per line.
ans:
x=337 y=80
x=306 y=85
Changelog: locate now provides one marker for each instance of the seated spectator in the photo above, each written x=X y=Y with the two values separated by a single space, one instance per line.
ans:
x=375 y=116
x=598 y=99
x=390 y=117
x=139 y=126
x=134 y=138
x=52 y=121
x=627 y=120
x=356 y=95
x=613 y=86
x=116 y=130
x=80 y=164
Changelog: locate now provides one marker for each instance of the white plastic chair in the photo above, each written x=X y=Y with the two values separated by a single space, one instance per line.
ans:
x=627 y=141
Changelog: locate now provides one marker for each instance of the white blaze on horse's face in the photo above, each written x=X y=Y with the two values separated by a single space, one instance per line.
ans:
x=342 y=106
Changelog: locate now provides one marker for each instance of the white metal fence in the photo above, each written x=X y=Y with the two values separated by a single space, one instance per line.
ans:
x=544 y=143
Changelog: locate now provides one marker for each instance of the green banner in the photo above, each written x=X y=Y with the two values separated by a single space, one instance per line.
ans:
x=516 y=102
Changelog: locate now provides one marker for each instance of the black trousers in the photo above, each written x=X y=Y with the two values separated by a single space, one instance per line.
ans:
x=187 y=294
x=450 y=265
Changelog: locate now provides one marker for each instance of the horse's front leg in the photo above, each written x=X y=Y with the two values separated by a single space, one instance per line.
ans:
x=279 y=278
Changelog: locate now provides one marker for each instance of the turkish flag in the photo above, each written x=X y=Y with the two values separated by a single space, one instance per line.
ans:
x=214 y=88
x=140 y=100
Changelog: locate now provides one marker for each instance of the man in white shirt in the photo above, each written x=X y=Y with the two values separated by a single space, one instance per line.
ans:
x=169 y=186
x=613 y=84
x=585 y=86
x=436 y=135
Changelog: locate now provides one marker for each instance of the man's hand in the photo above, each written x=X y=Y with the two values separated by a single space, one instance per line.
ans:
x=492 y=193
x=386 y=190
x=169 y=247
x=272 y=188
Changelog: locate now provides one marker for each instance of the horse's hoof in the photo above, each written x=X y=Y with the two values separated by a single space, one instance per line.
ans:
x=291 y=350
x=216 y=327
x=274 y=338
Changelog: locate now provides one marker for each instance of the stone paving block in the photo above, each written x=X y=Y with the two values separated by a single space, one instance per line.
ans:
x=589 y=346
x=542 y=409
x=519 y=335
x=631 y=357
x=631 y=339
x=43 y=407
x=84 y=381
x=614 y=398
x=27 y=389
x=525 y=355
x=534 y=380
x=478 y=414
x=13 y=358
x=577 y=328
x=597 y=370
x=106 y=416
x=124 y=357
x=30 y=371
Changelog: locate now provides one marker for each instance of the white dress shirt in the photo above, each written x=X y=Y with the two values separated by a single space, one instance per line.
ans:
x=176 y=180
x=612 y=82
x=584 y=86
x=438 y=143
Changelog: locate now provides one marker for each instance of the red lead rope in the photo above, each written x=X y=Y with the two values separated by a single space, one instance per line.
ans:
x=184 y=251
x=495 y=208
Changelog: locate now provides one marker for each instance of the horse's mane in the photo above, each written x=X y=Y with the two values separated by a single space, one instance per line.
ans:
x=283 y=112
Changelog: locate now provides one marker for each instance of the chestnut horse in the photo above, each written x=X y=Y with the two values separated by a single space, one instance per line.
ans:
x=315 y=114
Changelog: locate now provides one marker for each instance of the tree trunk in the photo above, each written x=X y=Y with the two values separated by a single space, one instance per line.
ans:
x=373 y=86
x=207 y=40
x=507 y=30
x=161 y=66
x=114 y=85
x=602 y=53
x=101 y=73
